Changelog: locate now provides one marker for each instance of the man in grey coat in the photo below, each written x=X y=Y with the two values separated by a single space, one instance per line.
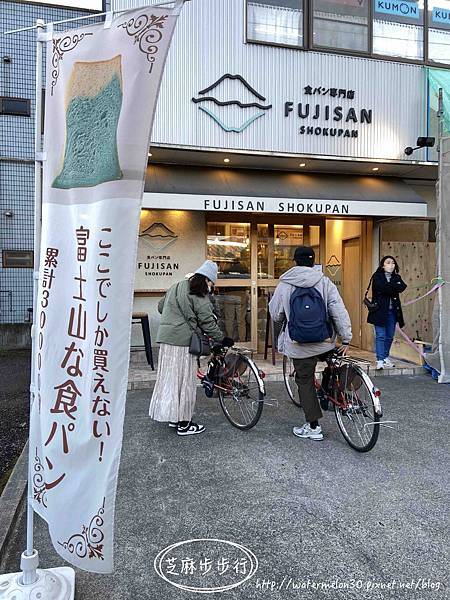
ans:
x=306 y=355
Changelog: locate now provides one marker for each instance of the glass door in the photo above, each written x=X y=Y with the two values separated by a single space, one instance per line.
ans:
x=251 y=257
x=228 y=244
x=276 y=244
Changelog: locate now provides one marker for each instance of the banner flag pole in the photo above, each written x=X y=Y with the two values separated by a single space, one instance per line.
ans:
x=30 y=557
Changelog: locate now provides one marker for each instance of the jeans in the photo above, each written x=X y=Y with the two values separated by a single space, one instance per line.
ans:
x=384 y=336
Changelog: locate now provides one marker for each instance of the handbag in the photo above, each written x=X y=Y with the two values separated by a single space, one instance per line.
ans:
x=199 y=344
x=371 y=305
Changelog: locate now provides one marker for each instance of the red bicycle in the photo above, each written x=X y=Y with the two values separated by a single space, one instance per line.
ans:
x=239 y=384
x=355 y=399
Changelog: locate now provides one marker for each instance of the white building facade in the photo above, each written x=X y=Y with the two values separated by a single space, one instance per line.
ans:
x=284 y=122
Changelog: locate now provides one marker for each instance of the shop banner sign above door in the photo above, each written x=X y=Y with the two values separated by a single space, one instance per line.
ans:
x=326 y=109
x=246 y=204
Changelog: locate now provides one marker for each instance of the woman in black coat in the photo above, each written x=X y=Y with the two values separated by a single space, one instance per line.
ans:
x=387 y=285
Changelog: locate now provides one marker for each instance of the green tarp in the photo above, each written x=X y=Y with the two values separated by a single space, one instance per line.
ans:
x=440 y=78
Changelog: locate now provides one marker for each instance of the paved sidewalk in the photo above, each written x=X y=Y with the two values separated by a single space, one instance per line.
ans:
x=141 y=375
x=307 y=509
x=14 y=408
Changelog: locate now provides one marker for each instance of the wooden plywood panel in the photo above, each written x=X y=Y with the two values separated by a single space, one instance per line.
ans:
x=417 y=262
x=351 y=253
x=367 y=339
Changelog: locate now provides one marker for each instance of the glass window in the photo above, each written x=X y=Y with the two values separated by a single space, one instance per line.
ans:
x=341 y=24
x=232 y=306
x=229 y=246
x=398 y=28
x=287 y=238
x=17 y=259
x=264 y=297
x=265 y=251
x=275 y=21
x=439 y=31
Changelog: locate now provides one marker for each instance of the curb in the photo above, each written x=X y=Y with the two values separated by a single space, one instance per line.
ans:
x=12 y=500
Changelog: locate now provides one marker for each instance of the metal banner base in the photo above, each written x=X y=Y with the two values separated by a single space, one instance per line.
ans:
x=52 y=584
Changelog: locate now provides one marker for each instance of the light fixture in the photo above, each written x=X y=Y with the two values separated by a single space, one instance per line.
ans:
x=302 y=165
x=217 y=242
x=150 y=154
x=375 y=169
x=226 y=160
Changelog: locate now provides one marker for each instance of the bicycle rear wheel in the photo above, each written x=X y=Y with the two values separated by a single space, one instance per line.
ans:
x=240 y=394
x=289 y=380
x=354 y=408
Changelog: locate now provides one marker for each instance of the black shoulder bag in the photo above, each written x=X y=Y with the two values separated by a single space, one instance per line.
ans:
x=200 y=344
x=371 y=305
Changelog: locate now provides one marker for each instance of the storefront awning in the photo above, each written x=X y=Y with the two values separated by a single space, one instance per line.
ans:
x=239 y=190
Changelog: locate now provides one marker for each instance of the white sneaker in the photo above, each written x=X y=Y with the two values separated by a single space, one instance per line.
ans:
x=380 y=365
x=307 y=432
x=388 y=363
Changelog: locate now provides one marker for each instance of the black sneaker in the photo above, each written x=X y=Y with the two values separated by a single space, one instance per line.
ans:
x=208 y=386
x=323 y=400
x=190 y=429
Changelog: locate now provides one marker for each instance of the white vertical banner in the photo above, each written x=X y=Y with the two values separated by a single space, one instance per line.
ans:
x=101 y=89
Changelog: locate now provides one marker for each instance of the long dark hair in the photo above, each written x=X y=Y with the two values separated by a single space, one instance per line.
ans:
x=380 y=268
x=198 y=286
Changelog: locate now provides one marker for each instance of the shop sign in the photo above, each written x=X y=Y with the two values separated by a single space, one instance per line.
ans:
x=158 y=237
x=400 y=9
x=441 y=15
x=282 y=206
x=310 y=206
x=208 y=103
x=331 y=121
x=158 y=266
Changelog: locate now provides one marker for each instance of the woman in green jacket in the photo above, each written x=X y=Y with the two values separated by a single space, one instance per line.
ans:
x=185 y=307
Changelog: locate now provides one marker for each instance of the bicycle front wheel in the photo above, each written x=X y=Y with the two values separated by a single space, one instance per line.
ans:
x=240 y=394
x=354 y=408
x=289 y=380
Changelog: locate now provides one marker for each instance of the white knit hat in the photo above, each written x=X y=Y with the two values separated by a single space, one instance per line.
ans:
x=208 y=269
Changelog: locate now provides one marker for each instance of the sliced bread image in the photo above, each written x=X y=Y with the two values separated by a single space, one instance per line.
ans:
x=93 y=104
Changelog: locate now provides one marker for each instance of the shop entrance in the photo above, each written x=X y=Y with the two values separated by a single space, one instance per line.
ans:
x=252 y=255
x=351 y=284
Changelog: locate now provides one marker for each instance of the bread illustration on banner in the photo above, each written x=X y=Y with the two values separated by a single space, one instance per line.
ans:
x=93 y=104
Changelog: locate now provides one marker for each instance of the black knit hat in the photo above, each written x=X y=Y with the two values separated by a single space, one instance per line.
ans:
x=304 y=256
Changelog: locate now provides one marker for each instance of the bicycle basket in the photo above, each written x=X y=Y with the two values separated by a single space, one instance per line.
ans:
x=233 y=364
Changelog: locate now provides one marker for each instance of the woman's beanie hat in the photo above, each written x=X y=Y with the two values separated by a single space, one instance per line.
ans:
x=208 y=269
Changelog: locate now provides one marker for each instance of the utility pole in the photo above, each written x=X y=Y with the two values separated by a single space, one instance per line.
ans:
x=443 y=244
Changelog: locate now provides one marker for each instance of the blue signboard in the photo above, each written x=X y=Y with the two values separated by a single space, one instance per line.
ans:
x=441 y=15
x=398 y=8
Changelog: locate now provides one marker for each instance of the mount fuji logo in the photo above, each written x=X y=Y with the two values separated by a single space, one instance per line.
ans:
x=158 y=236
x=238 y=106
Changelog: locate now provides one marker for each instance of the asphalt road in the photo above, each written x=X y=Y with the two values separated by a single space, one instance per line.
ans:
x=14 y=408
x=315 y=514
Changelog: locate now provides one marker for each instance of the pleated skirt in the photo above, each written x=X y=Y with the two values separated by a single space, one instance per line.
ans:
x=173 y=397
